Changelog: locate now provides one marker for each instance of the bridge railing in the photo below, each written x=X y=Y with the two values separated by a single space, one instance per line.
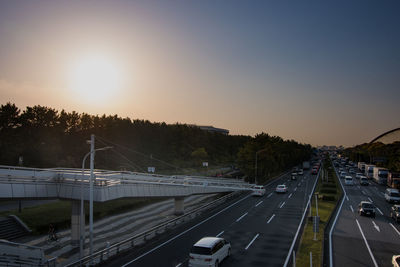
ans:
x=139 y=239
x=15 y=254
x=110 y=178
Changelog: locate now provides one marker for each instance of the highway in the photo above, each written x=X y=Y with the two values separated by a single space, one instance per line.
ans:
x=261 y=229
x=365 y=241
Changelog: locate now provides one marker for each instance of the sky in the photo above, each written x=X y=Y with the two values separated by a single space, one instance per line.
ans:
x=318 y=72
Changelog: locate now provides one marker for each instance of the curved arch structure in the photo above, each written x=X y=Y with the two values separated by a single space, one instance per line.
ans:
x=388 y=137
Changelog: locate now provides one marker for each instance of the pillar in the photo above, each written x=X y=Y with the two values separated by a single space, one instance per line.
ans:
x=75 y=222
x=179 y=206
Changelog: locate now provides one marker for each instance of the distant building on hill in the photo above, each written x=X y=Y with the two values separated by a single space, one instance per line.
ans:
x=211 y=129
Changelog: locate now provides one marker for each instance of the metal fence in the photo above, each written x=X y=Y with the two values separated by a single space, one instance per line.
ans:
x=139 y=239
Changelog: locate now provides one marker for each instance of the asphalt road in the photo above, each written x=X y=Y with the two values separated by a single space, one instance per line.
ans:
x=261 y=230
x=365 y=241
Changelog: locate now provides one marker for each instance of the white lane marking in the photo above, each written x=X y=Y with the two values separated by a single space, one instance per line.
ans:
x=352 y=210
x=347 y=198
x=269 y=195
x=220 y=233
x=376 y=227
x=397 y=231
x=283 y=204
x=290 y=195
x=184 y=232
x=259 y=203
x=382 y=193
x=370 y=199
x=362 y=191
x=251 y=242
x=270 y=219
x=295 y=189
x=241 y=217
x=366 y=243
x=379 y=211
x=179 y=264
x=359 y=187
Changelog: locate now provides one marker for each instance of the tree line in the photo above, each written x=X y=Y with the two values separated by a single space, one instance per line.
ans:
x=383 y=155
x=45 y=137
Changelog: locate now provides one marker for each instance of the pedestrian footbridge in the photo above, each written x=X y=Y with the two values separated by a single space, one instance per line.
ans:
x=29 y=183
x=73 y=184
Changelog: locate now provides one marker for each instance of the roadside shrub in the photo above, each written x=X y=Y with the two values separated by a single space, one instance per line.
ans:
x=329 y=185
x=328 y=190
x=328 y=198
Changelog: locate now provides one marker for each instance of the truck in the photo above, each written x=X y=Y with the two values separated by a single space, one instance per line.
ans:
x=393 y=180
x=380 y=175
x=306 y=165
x=361 y=166
x=369 y=171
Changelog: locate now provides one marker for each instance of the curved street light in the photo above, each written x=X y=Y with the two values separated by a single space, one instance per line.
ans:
x=92 y=154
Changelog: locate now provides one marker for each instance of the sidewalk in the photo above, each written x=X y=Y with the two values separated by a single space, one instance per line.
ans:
x=114 y=229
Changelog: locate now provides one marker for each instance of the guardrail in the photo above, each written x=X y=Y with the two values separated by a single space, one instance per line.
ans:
x=328 y=239
x=139 y=239
x=297 y=237
x=15 y=254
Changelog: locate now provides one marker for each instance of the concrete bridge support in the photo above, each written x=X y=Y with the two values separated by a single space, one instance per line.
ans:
x=75 y=222
x=179 y=206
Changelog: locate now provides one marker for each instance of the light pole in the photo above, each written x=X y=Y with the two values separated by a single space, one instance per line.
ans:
x=91 y=153
x=255 y=175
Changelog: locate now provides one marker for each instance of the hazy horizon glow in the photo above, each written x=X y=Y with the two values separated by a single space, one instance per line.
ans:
x=318 y=73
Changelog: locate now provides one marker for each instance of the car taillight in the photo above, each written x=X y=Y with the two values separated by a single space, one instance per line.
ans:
x=207 y=259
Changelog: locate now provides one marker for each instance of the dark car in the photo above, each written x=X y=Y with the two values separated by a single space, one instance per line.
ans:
x=395 y=212
x=364 y=181
x=366 y=208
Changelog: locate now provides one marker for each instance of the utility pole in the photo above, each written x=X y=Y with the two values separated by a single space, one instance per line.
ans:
x=91 y=193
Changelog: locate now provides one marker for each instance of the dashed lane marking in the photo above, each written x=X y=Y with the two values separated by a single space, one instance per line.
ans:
x=270 y=219
x=259 y=203
x=366 y=244
x=241 y=217
x=251 y=242
x=397 y=231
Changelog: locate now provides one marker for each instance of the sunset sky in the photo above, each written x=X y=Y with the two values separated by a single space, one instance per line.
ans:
x=316 y=72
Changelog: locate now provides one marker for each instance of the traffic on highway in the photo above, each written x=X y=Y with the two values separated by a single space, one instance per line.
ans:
x=257 y=229
x=367 y=232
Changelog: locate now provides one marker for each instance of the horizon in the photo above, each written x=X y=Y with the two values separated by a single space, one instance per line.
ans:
x=317 y=73
x=182 y=123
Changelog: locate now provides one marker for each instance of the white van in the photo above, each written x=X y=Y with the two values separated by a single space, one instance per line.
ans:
x=348 y=180
x=392 y=195
x=209 y=251
x=258 y=190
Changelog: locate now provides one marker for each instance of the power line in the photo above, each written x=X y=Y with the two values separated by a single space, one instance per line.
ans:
x=137 y=152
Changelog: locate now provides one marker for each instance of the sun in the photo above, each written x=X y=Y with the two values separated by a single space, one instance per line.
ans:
x=95 y=78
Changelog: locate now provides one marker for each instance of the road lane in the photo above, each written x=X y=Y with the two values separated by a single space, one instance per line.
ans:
x=264 y=228
x=375 y=241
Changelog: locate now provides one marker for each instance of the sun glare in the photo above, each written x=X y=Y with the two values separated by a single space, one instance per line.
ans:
x=95 y=78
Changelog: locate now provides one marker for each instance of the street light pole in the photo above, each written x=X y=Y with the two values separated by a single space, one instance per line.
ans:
x=255 y=175
x=91 y=193
x=82 y=218
x=92 y=154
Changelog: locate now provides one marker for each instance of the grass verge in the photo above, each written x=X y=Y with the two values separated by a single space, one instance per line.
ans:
x=328 y=196
x=58 y=213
